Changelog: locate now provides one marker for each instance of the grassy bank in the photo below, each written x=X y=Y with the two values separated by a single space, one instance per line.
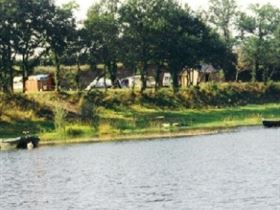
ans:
x=150 y=123
x=121 y=114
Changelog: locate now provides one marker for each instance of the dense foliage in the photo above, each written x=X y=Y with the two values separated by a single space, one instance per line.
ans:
x=138 y=34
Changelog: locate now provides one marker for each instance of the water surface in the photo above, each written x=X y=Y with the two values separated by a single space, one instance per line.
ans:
x=238 y=170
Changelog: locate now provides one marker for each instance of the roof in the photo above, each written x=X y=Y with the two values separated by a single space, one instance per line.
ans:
x=204 y=68
x=207 y=68
x=39 y=77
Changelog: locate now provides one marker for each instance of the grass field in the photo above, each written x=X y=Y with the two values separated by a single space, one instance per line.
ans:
x=140 y=120
x=120 y=116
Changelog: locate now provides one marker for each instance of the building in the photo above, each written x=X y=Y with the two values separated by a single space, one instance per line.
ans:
x=194 y=76
x=38 y=83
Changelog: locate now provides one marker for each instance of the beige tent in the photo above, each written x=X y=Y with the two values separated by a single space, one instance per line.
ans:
x=194 y=76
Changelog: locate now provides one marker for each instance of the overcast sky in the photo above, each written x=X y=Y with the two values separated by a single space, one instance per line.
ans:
x=195 y=4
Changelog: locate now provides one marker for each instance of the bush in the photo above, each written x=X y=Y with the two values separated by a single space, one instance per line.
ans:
x=164 y=98
x=89 y=112
x=122 y=125
x=74 y=132
x=60 y=119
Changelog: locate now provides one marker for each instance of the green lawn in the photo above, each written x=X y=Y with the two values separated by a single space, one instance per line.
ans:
x=138 y=120
x=123 y=114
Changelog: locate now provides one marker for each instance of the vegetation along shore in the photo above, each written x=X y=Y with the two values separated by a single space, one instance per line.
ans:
x=123 y=114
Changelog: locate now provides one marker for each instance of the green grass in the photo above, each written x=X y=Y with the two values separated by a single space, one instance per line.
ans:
x=151 y=119
x=124 y=115
x=142 y=121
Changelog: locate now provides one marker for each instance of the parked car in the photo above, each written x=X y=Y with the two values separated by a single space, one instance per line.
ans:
x=135 y=81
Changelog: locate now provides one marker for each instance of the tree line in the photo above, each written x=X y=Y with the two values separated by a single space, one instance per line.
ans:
x=139 y=33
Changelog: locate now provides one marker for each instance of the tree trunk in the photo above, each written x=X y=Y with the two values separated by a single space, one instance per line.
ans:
x=175 y=69
x=24 y=69
x=77 y=78
x=255 y=70
x=23 y=78
x=144 y=76
x=175 y=82
x=158 y=82
x=113 y=73
x=1 y=80
x=7 y=70
x=265 y=75
x=57 y=73
x=11 y=70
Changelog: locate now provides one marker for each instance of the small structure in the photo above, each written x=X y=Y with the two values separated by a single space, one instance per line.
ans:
x=41 y=82
x=18 y=85
x=194 y=76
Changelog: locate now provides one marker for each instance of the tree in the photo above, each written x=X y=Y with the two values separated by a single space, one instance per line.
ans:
x=223 y=15
x=137 y=19
x=103 y=32
x=274 y=56
x=7 y=41
x=59 y=30
x=259 y=29
x=184 y=40
x=24 y=26
x=77 y=53
x=31 y=15
x=166 y=34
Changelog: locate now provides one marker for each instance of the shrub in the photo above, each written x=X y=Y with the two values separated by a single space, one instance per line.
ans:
x=60 y=119
x=122 y=125
x=164 y=98
x=89 y=112
x=74 y=132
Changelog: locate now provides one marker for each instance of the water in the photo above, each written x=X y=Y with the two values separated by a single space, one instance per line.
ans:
x=239 y=170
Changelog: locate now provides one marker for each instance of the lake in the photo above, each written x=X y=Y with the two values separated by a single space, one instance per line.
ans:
x=236 y=170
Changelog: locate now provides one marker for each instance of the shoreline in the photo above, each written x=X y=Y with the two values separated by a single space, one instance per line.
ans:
x=148 y=137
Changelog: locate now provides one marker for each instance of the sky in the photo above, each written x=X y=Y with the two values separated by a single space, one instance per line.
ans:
x=194 y=4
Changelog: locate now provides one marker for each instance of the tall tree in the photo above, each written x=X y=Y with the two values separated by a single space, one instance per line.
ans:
x=259 y=29
x=183 y=39
x=222 y=14
x=31 y=15
x=103 y=31
x=137 y=19
x=7 y=42
x=59 y=30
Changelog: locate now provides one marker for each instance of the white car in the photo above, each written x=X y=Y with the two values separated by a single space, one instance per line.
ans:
x=135 y=81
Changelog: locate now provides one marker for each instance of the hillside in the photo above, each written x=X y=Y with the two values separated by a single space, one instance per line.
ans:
x=99 y=114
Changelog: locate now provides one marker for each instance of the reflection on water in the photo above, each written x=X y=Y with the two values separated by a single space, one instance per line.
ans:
x=238 y=170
